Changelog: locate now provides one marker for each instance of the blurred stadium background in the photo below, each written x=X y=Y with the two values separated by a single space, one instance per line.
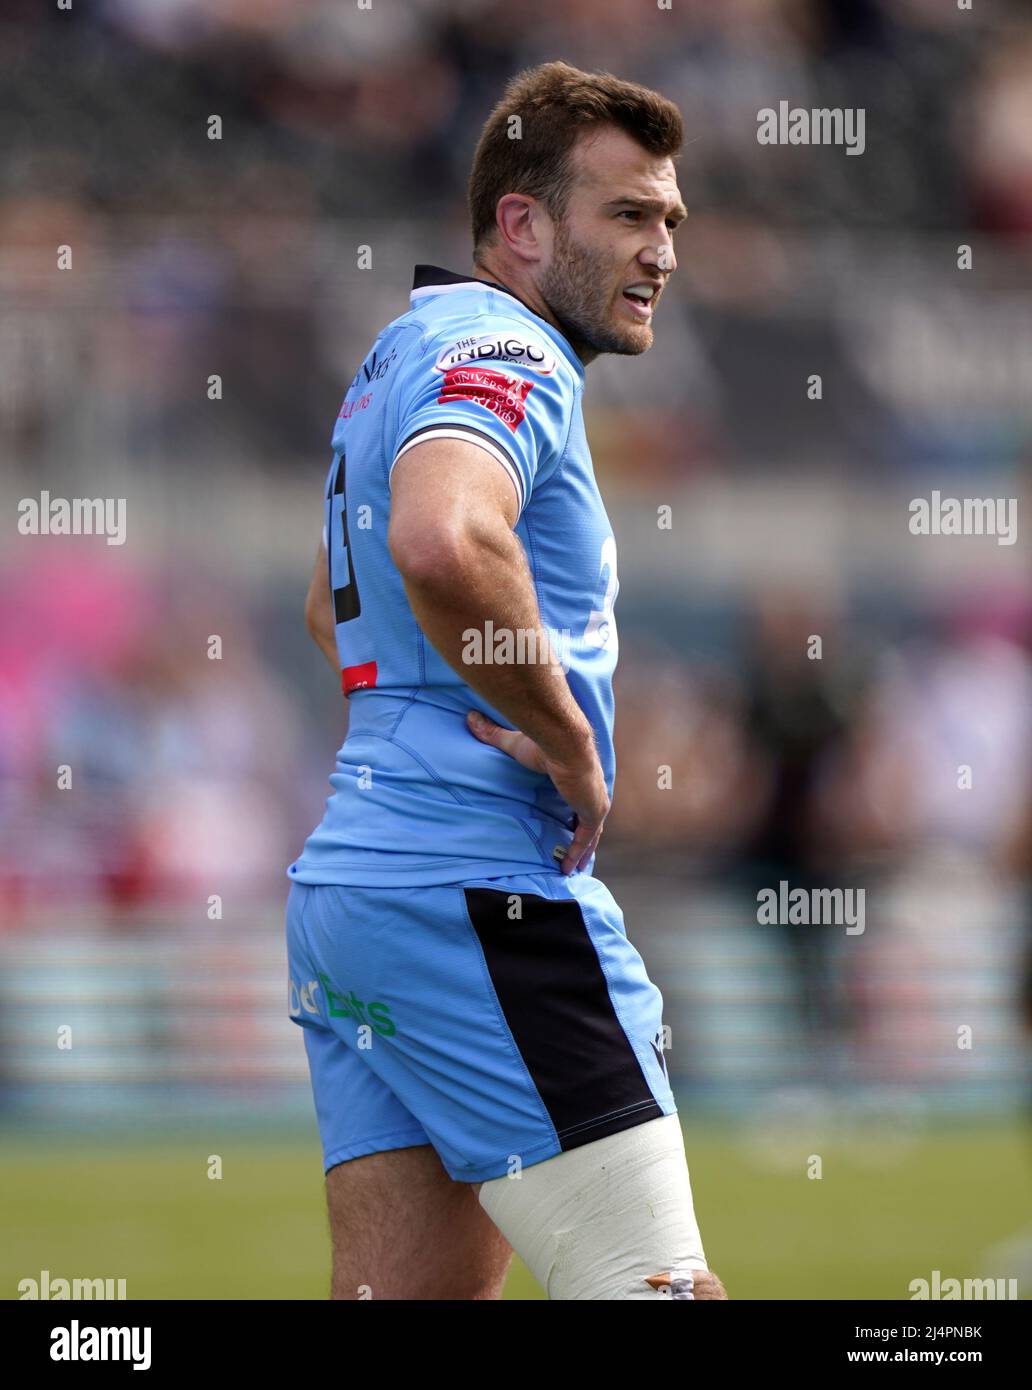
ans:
x=345 y=128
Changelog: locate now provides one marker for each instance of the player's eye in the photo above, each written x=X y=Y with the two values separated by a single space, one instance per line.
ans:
x=629 y=212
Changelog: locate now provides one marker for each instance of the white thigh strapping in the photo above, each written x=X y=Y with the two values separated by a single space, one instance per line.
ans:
x=597 y=1221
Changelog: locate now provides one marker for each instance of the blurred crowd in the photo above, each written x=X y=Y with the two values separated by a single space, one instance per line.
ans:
x=140 y=762
x=812 y=747
x=343 y=126
x=150 y=783
x=829 y=753
x=326 y=103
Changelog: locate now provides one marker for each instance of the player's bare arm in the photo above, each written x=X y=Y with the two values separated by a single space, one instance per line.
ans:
x=319 y=617
x=451 y=537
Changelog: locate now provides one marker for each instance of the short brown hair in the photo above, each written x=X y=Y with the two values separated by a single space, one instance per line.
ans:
x=556 y=103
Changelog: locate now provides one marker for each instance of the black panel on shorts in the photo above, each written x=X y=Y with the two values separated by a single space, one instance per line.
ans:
x=555 y=999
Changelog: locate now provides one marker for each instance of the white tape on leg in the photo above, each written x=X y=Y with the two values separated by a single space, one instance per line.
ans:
x=606 y=1220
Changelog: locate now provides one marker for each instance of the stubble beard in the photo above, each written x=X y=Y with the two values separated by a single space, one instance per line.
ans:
x=576 y=288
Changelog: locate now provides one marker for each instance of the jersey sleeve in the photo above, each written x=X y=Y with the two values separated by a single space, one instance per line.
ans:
x=507 y=391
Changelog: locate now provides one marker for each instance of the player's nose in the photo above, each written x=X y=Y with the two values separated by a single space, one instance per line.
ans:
x=659 y=256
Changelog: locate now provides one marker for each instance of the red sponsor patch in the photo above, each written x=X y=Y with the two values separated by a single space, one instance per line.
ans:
x=501 y=393
x=358 y=677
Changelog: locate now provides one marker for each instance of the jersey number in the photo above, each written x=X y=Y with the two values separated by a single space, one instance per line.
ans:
x=601 y=627
x=346 y=601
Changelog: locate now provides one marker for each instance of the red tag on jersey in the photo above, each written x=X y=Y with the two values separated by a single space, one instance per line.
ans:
x=358 y=677
x=502 y=393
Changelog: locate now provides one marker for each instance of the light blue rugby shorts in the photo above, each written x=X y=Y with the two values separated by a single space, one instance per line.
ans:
x=497 y=1019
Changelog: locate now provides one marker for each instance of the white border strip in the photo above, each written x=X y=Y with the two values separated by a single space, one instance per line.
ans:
x=457 y=432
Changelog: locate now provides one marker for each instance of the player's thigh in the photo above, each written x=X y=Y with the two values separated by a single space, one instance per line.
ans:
x=613 y=1219
x=403 y=1229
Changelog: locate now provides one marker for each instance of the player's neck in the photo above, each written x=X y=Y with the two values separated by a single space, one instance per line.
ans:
x=527 y=293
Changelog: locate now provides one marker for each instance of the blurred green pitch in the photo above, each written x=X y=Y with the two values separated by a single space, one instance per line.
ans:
x=147 y=1211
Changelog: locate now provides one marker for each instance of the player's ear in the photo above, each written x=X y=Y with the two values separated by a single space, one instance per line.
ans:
x=521 y=222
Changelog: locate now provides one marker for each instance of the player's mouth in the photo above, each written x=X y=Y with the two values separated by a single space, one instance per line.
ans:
x=641 y=298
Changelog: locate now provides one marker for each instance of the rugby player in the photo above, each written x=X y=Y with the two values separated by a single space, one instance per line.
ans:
x=485 y=1045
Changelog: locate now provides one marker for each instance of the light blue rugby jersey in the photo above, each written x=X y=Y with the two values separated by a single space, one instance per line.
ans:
x=417 y=798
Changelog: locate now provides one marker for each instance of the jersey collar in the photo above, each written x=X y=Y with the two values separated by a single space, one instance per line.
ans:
x=434 y=279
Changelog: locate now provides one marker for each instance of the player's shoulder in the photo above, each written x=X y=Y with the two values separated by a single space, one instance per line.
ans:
x=465 y=332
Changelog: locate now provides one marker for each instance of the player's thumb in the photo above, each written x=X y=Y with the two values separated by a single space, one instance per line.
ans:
x=485 y=729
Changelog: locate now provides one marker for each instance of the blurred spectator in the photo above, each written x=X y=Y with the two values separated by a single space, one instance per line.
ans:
x=802 y=696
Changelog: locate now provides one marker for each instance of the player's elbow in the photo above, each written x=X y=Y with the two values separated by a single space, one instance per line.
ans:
x=431 y=558
x=319 y=615
x=313 y=618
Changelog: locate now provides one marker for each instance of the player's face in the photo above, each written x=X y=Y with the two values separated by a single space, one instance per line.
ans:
x=616 y=236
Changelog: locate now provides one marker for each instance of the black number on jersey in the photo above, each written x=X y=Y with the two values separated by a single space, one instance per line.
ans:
x=346 y=602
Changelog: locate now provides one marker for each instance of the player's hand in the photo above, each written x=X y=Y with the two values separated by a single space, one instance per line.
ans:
x=578 y=779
